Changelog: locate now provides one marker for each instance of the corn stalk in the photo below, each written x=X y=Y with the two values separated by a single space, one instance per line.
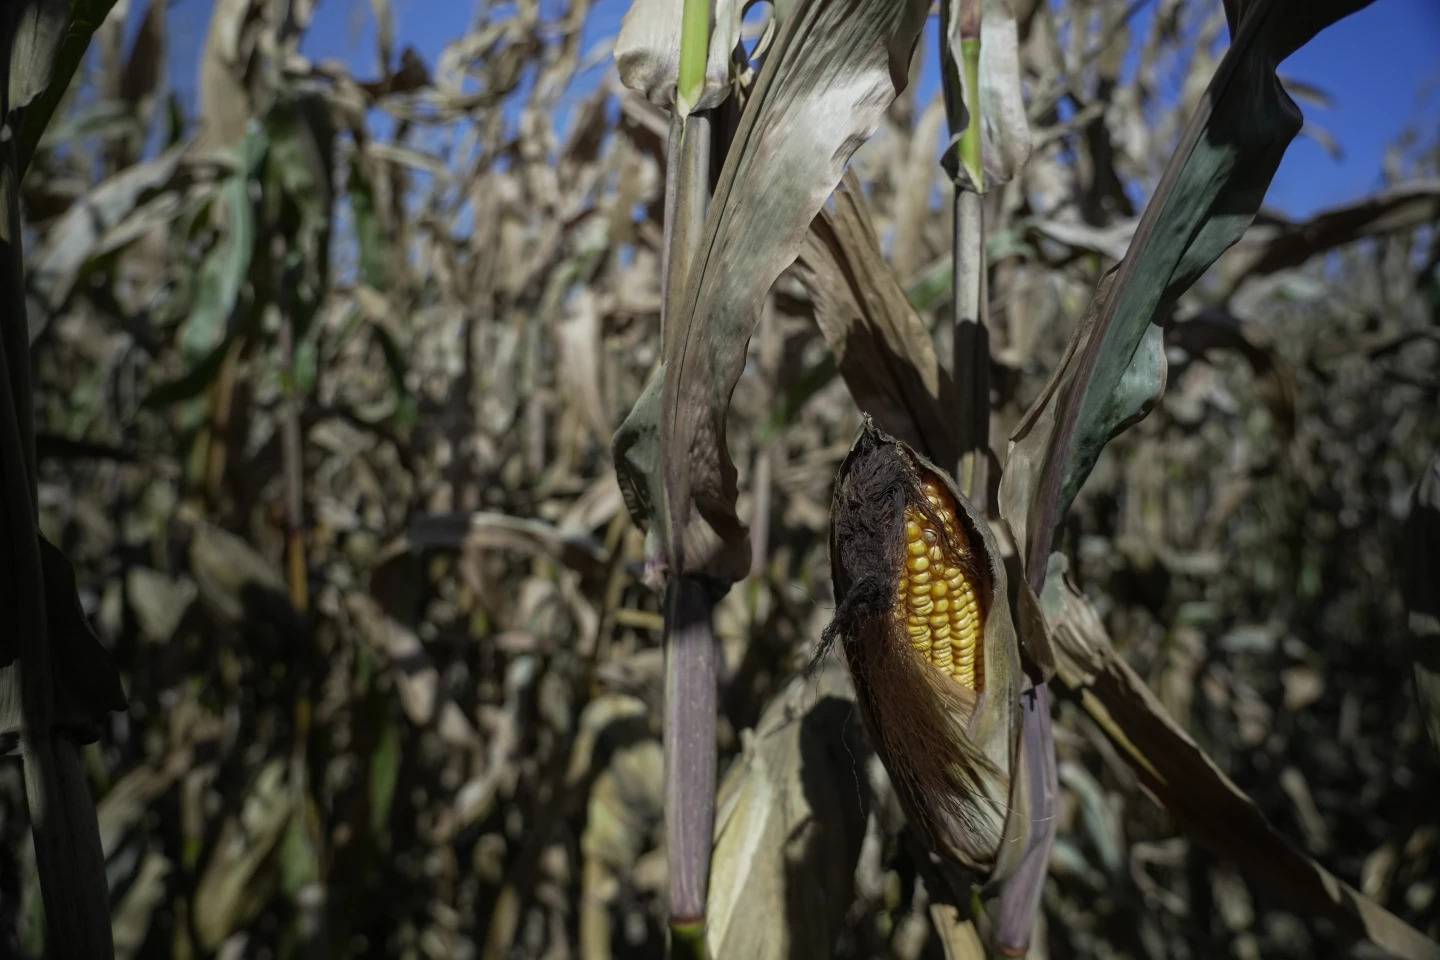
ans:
x=55 y=686
x=971 y=351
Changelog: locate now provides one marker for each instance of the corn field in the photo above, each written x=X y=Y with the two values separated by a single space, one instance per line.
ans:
x=807 y=479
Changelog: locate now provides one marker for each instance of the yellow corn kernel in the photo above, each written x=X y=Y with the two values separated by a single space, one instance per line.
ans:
x=936 y=598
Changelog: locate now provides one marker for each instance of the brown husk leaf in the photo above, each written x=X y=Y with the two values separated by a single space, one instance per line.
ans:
x=951 y=753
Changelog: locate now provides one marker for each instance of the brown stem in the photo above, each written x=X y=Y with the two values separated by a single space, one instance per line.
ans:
x=691 y=666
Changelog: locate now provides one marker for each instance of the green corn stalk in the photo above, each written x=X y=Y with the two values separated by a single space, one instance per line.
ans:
x=971 y=344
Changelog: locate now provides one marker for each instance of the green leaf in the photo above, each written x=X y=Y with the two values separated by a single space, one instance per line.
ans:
x=193 y=382
x=370 y=235
x=299 y=854
x=1206 y=198
x=1140 y=386
x=306 y=368
x=227 y=265
x=406 y=408
x=384 y=777
x=297 y=180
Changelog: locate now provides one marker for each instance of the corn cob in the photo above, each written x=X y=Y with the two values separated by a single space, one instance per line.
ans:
x=923 y=617
x=936 y=597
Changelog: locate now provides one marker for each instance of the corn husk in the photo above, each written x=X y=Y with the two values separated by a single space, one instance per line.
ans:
x=951 y=752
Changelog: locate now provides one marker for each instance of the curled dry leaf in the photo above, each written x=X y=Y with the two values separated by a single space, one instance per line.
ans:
x=1004 y=127
x=882 y=347
x=923 y=616
x=834 y=68
x=647 y=52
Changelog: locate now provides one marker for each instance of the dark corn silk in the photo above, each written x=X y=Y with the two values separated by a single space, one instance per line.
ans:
x=923 y=619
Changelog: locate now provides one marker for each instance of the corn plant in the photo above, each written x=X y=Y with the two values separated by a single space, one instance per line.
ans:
x=850 y=642
x=979 y=788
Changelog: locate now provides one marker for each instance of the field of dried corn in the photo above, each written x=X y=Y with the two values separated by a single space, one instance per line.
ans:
x=326 y=369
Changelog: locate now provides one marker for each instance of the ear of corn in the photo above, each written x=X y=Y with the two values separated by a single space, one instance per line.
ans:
x=938 y=595
x=923 y=617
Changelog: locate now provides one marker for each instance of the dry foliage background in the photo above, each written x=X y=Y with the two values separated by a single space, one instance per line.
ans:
x=395 y=319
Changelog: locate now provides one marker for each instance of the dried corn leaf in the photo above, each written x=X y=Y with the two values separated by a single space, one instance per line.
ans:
x=647 y=52
x=225 y=101
x=623 y=809
x=789 y=827
x=834 y=68
x=243 y=870
x=145 y=67
x=1004 y=126
x=1174 y=769
x=81 y=234
x=130 y=921
x=881 y=347
x=1279 y=246
x=1211 y=189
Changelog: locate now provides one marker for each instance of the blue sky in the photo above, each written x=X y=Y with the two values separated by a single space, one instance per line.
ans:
x=1380 y=67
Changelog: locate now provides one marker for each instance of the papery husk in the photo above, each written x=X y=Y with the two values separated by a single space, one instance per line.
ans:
x=952 y=754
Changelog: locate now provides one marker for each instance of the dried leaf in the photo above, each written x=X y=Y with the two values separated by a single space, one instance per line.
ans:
x=224 y=94
x=581 y=354
x=789 y=827
x=130 y=922
x=1210 y=807
x=882 y=348
x=834 y=68
x=647 y=52
x=243 y=871
x=1284 y=244
x=1004 y=125
x=80 y=235
x=916 y=183
x=145 y=66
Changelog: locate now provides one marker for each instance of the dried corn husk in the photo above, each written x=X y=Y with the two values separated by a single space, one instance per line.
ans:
x=951 y=751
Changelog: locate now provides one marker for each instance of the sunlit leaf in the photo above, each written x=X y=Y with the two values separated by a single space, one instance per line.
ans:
x=825 y=83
